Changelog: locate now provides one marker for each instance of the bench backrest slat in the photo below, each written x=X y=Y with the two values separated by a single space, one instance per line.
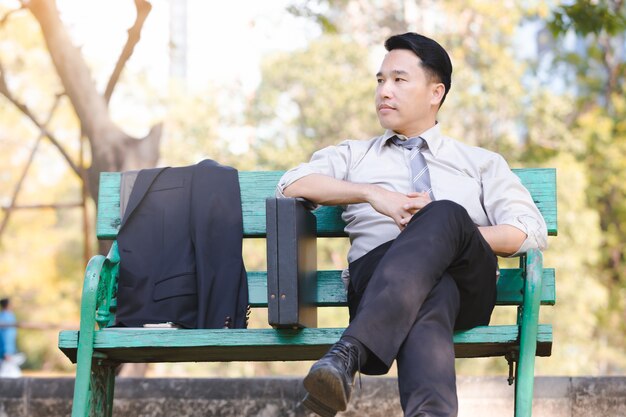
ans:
x=256 y=186
x=331 y=292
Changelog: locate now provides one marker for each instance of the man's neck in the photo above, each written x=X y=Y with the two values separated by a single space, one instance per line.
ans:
x=415 y=131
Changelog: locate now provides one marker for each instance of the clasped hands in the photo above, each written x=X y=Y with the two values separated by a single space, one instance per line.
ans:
x=400 y=207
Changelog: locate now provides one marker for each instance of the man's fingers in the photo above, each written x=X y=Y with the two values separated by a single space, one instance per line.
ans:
x=405 y=220
x=414 y=205
x=402 y=219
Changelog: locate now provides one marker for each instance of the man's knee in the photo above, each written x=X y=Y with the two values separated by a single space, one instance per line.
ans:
x=446 y=213
x=449 y=209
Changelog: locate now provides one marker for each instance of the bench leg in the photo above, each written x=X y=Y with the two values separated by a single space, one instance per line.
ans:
x=524 y=387
x=528 y=334
x=92 y=378
x=94 y=389
x=102 y=389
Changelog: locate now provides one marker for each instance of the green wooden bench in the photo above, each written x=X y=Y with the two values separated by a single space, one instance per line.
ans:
x=97 y=349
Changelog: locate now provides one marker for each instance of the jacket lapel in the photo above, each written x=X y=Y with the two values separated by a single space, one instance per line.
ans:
x=145 y=178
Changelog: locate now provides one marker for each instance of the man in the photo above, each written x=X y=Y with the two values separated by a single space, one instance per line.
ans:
x=7 y=330
x=426 y=215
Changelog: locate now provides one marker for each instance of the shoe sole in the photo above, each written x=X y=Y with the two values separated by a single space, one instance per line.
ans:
x=326 y=387
x=317 y=406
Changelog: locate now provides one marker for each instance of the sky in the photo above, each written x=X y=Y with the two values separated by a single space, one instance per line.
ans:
x=226 y=39
x=226 y=42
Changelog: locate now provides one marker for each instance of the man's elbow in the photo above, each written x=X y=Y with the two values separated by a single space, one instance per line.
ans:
x=300 y=188
x=291 y=191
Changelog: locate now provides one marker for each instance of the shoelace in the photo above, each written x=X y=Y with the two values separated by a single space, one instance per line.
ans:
x=343 y=352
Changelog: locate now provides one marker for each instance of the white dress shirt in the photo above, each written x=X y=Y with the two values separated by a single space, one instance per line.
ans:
x=477 y=179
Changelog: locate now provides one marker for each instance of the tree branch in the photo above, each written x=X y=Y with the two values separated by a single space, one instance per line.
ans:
x=134 y=34
x=4 y=90
x=4 y=19
x=31 y=157
x=55 y=206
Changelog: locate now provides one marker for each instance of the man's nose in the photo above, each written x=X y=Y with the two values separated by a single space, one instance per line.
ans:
x=384 y=90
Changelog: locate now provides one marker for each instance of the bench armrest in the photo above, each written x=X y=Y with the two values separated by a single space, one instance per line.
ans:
x=533 y=282
x=291 y=263
x=98 y=297
x=529 y=324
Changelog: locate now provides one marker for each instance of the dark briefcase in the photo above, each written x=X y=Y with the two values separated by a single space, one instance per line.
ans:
x=291 y=264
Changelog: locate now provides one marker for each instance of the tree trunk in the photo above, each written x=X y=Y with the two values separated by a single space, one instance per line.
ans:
x=111 y=148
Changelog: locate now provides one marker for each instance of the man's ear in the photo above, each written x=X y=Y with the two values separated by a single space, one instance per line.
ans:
x=438 y=90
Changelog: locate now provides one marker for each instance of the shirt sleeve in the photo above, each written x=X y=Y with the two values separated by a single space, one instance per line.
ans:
x=507 y=201
x=332 y=161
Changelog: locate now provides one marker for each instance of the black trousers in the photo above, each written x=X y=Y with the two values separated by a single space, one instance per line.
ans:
x=407 y=296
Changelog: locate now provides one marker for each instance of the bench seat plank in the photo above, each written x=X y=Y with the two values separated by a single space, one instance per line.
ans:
x=198 y=345
x=331 y=292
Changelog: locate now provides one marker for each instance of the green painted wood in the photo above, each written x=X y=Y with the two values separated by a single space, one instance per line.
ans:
x=108 y=220
x=139 y=345
x=331 y=291
x=541 y=183
x=83 y=393
x=528 y=334
x=103 y=389
x=256 y=186
x=511 y=284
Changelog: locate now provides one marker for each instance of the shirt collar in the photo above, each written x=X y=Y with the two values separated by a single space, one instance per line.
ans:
x=432 y=137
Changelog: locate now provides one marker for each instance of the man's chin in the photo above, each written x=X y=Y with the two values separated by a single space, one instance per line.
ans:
x=386 y=123
x=390 y=126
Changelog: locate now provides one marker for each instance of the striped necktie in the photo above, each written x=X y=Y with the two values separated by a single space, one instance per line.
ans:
x=419 y=168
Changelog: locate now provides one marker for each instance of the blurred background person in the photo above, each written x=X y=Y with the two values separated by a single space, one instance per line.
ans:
x=9 y=359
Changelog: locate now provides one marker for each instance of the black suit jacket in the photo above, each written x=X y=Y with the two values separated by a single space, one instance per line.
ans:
x=180 y=249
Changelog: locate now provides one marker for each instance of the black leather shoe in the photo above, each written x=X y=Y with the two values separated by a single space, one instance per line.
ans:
x=329 y=382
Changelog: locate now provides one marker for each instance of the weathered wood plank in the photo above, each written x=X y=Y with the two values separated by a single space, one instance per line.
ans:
x=139 y=345
x=256 y=186
x=108 y=220
x=331 y=292
x=541 y=182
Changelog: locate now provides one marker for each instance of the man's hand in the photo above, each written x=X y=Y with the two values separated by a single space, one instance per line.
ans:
x=325 y=190
x=397 y=206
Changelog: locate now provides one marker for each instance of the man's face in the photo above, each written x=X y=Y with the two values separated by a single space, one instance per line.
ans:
x=406 y=98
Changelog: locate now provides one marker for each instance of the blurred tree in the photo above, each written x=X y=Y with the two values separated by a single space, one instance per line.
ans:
x=490 y=100
x=589 y=44
x=29 y=78
x=111 y=148
x=313 y=98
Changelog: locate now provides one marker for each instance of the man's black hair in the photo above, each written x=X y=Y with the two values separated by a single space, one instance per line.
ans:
x=4 y=303
x=434 y=59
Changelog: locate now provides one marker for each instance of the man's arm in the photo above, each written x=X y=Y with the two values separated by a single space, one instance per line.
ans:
x=325 y=190
x=508 y=203
x=504 y=239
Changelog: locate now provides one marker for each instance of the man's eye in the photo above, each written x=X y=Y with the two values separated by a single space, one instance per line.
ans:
x=379 y=81
x=400 y=79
